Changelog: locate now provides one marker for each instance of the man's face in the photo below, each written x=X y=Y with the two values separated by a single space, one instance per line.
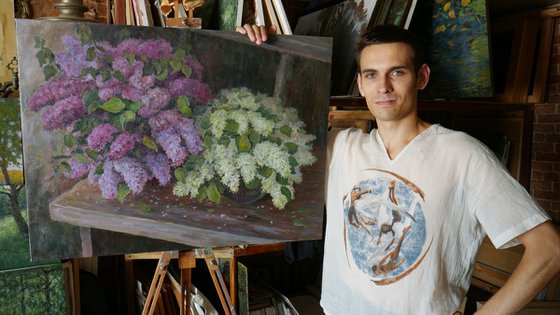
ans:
x=388 y=81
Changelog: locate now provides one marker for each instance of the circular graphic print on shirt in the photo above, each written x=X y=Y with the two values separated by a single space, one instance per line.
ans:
x=385 y=227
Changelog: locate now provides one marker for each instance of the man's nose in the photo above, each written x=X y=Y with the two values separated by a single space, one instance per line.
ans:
x=384 y=85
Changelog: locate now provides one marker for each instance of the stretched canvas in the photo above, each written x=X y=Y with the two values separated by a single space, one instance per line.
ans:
x=343 y=22
x=186 y=138
x=457 y=44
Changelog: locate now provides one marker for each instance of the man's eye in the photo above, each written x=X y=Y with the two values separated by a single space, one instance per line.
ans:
x=397 y=73
x=370 y=75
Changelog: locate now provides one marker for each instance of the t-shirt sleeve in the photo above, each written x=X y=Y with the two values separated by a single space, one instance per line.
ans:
x=502 y=206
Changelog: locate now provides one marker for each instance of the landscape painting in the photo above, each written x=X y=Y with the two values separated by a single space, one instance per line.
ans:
x=457 y=43
x=144 y=139
x=343 y=22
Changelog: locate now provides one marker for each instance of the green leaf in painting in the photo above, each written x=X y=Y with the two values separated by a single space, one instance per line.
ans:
x=113 y=105
x=292 y=147
x=265 y=171
x=144 y=207
x=65 y=167
x=181 y=174
x=243 y=144
x=80 y=158
x=184 y=106
x=180 y=53
x=286 y=130
x=49 y=71
x=128 y=116
x=176 y=65
x=149 y=143
x=286 y=192
x=92 y=154
x=231 y=126
x=213 y=193
x=134 y=106
x=163 y=75
x=187 y=71
x=70 y=141
x=122 y=192
x=90 y=54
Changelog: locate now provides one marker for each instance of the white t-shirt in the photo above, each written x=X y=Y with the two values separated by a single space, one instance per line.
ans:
x=402 y=235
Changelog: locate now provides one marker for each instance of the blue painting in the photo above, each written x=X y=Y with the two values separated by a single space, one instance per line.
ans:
x=456 y=36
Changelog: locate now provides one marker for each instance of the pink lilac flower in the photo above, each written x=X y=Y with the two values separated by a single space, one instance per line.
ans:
x=164 y=119
x=57 y=89
x=122 y=65
x=196 y=67
x=109 y=181
x=170 y=141
x=100 y=136
x=78 y=169
x=188 y=132
x=122 y=145
x=134 y=174
x=131 y=45
x=158 y=164
x=156 y=48
x=129 y=92
x=153 y=101
x=93 y=177
x=63 y=113
x=108 y=88
x=141 y=82
x=189 y=87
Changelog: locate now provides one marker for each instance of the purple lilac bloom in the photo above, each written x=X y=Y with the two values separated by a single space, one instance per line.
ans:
x=131 y=45
x=156 y=48
x=109 y=181
x=74 y=59
x=57 y=89
x=78 y=169
x=134 y=174
x=122 y=65
x=164 y=119
x=189 y=87
x=188 y=132
x=131 y=93
x=63 y=113
x=153 y=101
x=93 y=178
x=100 y=136
x=158 y=164
x=196 y=67
x=122 y=145
x=141 y=82
x=108 y=88
x=170 y=141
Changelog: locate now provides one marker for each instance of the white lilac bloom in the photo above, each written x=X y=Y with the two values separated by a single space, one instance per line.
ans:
x=251 y=140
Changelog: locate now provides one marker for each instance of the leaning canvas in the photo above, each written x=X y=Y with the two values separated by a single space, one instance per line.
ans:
x=144 y=139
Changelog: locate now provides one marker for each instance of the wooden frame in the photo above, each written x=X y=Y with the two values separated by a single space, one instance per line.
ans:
x=526 y=40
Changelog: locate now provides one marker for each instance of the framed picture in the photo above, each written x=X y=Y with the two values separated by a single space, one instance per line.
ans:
x=170 y=138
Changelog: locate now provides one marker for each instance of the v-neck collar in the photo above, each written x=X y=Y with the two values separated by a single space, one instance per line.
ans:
x=418 y=137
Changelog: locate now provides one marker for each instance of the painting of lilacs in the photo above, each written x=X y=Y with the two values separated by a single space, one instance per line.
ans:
x=126 y=109
x=171 y=134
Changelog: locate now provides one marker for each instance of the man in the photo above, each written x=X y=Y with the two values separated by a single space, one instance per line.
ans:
x=451 y=189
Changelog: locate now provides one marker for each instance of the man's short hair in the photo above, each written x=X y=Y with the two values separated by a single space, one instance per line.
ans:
x=385 y=34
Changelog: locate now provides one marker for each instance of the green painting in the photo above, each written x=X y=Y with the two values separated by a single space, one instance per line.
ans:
x=33 y=290
x=456 y=36
x=229 y=14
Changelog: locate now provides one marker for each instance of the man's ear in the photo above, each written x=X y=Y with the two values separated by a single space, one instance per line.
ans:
x=423 y=76
x=359 y=81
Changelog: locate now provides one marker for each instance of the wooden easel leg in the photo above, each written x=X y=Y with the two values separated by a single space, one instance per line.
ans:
x=218 y=280
x=157 y=283
x=187 y=261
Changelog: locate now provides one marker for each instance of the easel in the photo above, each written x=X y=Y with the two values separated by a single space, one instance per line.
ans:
x=187 y=261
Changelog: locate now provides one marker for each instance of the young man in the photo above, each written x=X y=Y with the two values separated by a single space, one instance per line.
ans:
x=409 y=204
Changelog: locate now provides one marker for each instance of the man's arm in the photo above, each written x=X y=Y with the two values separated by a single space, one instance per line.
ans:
x=539 y=264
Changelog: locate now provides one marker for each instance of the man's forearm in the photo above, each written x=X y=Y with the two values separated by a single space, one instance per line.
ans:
x=539 y=264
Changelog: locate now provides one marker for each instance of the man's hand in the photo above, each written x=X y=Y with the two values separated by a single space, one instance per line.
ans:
x=256 y=33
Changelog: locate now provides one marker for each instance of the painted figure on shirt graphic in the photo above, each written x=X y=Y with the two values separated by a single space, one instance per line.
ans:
x=385 y=227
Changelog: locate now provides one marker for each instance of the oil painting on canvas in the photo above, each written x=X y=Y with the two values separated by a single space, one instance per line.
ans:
x=456 y=35
x=191 y=138
x=343 y=22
